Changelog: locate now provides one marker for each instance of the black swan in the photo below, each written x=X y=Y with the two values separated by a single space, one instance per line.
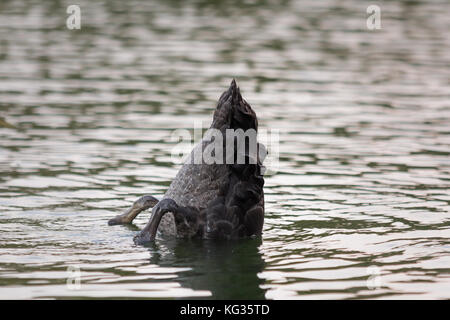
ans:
x=222 y=200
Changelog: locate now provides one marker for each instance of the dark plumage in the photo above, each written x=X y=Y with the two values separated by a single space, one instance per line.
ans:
x=211 y=201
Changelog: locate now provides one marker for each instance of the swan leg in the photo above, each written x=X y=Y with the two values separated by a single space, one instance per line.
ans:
x=141 y=204
x=148 y=234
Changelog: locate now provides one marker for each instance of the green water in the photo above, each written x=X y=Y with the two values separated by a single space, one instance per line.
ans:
x=358 y=208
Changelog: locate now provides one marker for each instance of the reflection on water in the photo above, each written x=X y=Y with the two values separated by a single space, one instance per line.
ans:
x=361 y=196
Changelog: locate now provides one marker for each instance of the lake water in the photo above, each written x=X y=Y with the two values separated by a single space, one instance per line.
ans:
x=358 y=207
